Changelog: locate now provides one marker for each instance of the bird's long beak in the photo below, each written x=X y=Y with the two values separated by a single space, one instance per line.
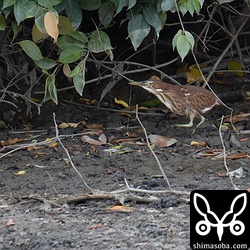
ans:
x=141 y=84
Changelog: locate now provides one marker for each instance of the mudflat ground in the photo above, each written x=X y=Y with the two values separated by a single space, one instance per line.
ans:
x=36 y=223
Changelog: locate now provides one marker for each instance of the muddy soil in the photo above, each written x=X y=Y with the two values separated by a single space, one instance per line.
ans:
x=27 y=223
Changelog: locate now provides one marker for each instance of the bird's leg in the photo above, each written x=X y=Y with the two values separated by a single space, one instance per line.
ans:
x=190 y=124
x=202 y=120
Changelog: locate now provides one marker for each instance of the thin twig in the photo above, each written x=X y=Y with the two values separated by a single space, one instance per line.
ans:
x=235 y=36
x=143 y=68
x=224 y=153
x=152 y=151
x=68 y=155
x=145 y=191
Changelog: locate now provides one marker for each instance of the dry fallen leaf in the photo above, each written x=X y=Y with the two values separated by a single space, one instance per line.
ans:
x=194 y=74
x=102 y=138
x=38 y=154
x=198 y=143
x=94 y=126
x=232 y=157
x=97 y=226
x=238 y=118
x=69 y=124
x=20 y=172
x=30 y=148
x=121 y=102
x=88 y=101
x=94 y=150
x=162 y=141
x=86 y=138
x=12 y=141
x=122 y=208
x=10 y=222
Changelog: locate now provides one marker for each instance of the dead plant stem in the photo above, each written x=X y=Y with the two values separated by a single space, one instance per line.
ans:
x=152 y=151
x=224 y=154
x=68 y=155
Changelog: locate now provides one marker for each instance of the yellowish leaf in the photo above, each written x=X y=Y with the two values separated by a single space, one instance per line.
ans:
x=33 y=148
x=12 y=141
x=235 y=65
x=69 y=124
x=35 y=99
x=66 y=70
x=53 y=145
x=194 y=74
x=37 y=35
x=20 y=172
x=198 y=143
x=65 y=26
x=51 y=25
x=121 y=102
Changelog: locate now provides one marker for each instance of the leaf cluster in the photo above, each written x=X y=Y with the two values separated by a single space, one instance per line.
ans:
x=60 y=22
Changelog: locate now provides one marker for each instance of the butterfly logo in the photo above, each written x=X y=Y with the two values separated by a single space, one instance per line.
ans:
x=203 y=227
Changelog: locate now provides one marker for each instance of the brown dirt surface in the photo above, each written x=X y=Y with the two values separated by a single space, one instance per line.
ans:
x=35 y=223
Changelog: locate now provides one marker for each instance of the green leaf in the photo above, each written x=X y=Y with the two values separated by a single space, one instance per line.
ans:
x=190 y=38
x=24 y=9
x=48 y=4
x=201 y=2
x=106 y=12
x=90 y=4
x=99 y=42
x=2 y=22
x=190 y=6
x=197 y=6
x=138 y=29
x=50 y=89
x=75 y=71
x=39 y=19
x=74 y=13
x=8 y=3
x=163 y=17
x=71 y=55
x=45 y=63
x=167 y=5
x=31 y=49
x=79 y=36
x=131 y=4
x=67 y=42
x=183 y=7
x=137 y=9
x=79 y=76
x=153 y=18
x=174 y=41
x=119 y=4
x=15 y=28
x=183 y=46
